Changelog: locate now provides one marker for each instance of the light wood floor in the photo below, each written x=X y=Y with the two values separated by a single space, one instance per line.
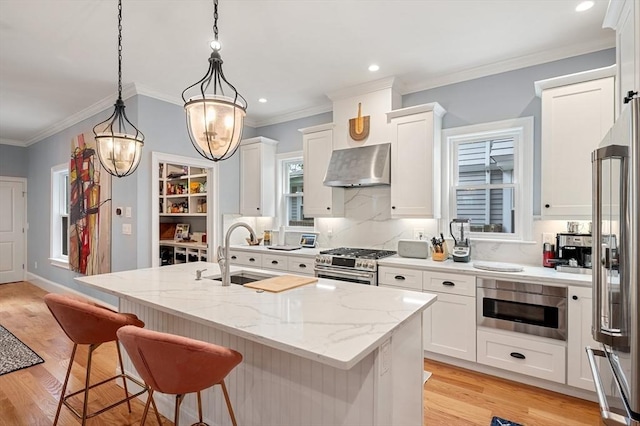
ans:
x=453 y=396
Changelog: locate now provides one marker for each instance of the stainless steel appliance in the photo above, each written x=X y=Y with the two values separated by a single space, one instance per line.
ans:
x=573 y=253
x=460 y=230
x=615 y=278
x=535 y=309
x=367 y=165
x=354 y=265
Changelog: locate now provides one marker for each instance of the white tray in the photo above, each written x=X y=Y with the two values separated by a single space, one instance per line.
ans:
x=497 y=266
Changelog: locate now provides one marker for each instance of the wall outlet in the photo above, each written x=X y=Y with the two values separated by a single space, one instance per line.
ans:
x=329 y=233
x=126 y=228
x=127 y=212
x=418 y=234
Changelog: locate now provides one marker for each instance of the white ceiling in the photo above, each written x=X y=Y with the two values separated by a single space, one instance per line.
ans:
x=58 y=58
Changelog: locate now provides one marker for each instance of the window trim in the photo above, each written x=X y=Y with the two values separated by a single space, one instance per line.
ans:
x=57 y=199
x=523 y=152
x=281 y=198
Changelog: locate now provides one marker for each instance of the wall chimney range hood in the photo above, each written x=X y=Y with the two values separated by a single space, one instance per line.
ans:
x=364 y=166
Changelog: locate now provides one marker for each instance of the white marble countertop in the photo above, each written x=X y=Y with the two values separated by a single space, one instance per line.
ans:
x=332 y=322
x=305 y=252
x=529 y=273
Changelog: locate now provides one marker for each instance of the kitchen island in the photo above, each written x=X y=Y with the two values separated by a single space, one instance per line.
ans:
x=327 y=353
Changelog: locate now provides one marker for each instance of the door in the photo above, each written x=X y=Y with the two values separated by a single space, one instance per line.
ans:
x=12 y=236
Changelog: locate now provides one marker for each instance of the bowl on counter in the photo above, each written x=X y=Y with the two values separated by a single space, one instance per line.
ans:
x=253 y=242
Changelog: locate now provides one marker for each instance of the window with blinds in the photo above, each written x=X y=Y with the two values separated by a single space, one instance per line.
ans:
x=292 y=172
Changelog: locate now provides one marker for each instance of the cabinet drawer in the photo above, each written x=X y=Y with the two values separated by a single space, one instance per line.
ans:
x=245 y=258
x=301 y=265
x=400 y=277
x=274 y=261
x=522 y=355
x=464 y=285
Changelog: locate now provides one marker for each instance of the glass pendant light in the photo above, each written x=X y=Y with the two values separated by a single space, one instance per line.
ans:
x=119 y=142
x=215 y=110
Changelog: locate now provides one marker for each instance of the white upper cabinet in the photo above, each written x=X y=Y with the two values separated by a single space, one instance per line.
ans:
x=577 y=111
x=415 y=161
x=624 y=17
x=319 y=200
x=258 y=177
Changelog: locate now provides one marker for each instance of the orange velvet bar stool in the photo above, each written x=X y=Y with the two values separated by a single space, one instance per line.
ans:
x=178 y=365
x=87 y=323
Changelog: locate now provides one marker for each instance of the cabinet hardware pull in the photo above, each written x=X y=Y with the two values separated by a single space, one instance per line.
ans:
x=517 y=355
x=393 y=207
x=546 y=206
x=302 y=265
x=328 y=208
x=233 y=257
x=574 y=297
x=257 y=208
x=251 y=259
x=274 y=262
x=448 y=283
x=400 y=277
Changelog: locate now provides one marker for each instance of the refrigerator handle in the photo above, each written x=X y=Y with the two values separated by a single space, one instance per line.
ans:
x=617 y=152
x=609 y=417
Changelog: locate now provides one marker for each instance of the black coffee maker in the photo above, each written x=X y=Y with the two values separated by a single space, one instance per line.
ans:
x=573 y=251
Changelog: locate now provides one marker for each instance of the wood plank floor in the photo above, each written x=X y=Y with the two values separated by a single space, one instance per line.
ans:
x=453 y=396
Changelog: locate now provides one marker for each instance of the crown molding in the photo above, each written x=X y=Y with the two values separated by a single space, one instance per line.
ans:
x=578 y=77
x=368 y=87
x=612 y=17
x=294 y=115
x=12 y=142
x=511 y=64
x=128 y=90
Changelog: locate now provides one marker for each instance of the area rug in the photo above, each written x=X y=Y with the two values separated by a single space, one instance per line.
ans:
x=15 y=355
x=499 y=421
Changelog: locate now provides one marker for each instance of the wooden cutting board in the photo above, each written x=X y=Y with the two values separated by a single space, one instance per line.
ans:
x=281 y=283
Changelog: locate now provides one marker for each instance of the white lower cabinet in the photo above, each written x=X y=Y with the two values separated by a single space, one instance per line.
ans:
x=407 y=279
x=524 y=355
x=449 y=326
x=275 y=261
x=301 y=265
x=579 y=337
x=238 y=257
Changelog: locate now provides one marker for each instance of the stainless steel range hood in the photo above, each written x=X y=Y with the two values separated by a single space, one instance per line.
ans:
x=364 y=166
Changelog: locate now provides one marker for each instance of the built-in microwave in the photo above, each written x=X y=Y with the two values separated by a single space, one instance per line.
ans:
x=535 y=309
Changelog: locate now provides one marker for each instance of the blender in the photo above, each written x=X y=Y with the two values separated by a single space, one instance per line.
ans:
x=460 y=230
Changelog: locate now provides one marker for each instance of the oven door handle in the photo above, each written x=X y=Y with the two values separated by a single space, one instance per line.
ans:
x=610 y=418
x=343 y=273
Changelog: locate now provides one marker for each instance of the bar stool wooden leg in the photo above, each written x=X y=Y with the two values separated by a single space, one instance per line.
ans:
x=146 y=408
x=199 y=407
x=153 y=402
x=64 y=386
x=226 y=398
x=176 y=416
x=85 y=405
x=124 y=379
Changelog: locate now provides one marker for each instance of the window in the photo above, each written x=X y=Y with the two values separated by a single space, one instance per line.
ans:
x=59 y=253
x=292 y=182
x=490 y=178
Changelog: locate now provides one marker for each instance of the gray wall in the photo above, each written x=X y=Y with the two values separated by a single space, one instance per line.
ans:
x=504 y=96
x=287 y=133
x=13 y=161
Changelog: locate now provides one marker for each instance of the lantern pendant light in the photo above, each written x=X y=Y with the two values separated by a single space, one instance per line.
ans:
x=215 y=110
x=118 y=141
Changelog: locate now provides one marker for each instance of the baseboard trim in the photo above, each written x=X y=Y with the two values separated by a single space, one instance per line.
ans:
x=53 y=287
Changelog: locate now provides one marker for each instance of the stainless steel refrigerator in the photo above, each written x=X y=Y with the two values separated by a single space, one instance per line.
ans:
x=616 y=258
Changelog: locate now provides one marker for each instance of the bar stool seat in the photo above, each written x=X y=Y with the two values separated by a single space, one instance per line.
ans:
x=87 y=323
x=178 y=365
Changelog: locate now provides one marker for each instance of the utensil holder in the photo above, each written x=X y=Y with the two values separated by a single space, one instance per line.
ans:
x=439 y=257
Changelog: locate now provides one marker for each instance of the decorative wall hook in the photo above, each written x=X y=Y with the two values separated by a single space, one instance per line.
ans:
x=359 y=126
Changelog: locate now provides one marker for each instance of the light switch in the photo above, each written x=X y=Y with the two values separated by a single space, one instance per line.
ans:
x=126 y=228
x=127 y=212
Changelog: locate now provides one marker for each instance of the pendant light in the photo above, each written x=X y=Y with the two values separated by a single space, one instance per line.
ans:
x=215 y=110
x=119 y=142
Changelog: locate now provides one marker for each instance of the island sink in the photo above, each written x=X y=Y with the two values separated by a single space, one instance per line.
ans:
x=242 y=277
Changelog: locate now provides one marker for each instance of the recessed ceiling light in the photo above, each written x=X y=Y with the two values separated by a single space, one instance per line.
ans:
x=262 y=100
x=585 y=5
x=373 y=67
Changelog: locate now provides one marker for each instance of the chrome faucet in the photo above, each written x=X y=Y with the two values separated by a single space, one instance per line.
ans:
x=223 y=252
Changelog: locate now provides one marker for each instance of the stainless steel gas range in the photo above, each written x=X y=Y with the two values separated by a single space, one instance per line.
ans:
x=354 y=265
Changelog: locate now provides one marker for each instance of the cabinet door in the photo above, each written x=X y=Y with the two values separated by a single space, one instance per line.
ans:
x=319 y=200
x=414 y=191
x=579 y=337
x=450 y=326
x=250 y=180
x=575 y=118
x=628 y=50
